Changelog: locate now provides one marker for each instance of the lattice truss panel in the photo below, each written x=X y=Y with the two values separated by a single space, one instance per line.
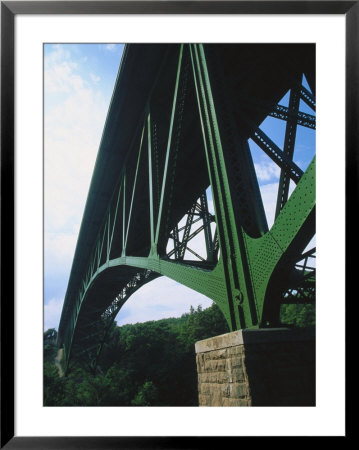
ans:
x=187 y=200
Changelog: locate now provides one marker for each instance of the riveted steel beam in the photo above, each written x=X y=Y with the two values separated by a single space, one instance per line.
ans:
x=288 y=149
x=284 y=113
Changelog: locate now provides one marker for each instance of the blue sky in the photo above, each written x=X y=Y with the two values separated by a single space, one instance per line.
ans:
x=78 y=84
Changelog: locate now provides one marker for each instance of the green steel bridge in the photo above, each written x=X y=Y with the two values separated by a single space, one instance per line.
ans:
x=179 y=123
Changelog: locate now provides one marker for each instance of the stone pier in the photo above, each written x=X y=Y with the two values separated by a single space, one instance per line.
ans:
x=262 y=367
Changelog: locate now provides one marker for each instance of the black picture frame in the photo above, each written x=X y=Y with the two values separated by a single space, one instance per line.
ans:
x=9 y=9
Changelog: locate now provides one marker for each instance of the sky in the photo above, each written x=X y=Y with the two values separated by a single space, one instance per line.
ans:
x=78 y=85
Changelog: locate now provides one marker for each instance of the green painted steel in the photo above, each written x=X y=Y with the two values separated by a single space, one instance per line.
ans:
x=191 y=133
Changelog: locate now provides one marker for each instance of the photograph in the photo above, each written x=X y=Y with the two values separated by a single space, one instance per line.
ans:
x=179 y=221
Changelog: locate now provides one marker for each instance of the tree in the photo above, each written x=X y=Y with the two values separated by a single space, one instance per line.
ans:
x=298 y=315
x=146 y=396
x=146 y=364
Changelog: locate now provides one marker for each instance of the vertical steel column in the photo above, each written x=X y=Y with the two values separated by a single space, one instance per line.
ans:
x=288 y=149
x=124 y=214
x=169 y=146
x=134 y=184
x=239 y=309
x=150 y=183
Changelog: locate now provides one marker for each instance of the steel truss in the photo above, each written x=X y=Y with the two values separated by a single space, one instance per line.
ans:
x=150 y=224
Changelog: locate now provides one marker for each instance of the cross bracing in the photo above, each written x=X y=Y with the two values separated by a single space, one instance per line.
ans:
x=177 y=132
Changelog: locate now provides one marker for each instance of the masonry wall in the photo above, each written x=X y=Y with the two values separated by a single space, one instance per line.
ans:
x=265 y=367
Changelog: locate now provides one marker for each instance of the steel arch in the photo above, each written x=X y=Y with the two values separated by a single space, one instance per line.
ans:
x=169 y=135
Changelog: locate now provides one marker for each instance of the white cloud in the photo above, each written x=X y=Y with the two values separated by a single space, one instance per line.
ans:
x=266 y=171
x=52 y=313
x=111 y=47
x=269 y=194
x=60 y=72
x=269 y=197
x=73 y=128
x=59 y=251
x=95 y=78
x=58 y=54
x=161 y=298
x=73 y=122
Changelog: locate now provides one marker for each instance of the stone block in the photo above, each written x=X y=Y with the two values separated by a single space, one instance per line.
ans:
x=237 y=350
x=239 y=390
x=235 y=362
x=238 y=375
x=257 y=368
x=226 y=390
x=215 y=365
x=219 y=354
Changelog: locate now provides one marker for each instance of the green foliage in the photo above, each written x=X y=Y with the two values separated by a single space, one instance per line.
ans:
x=50 y=335
x=54 y=387
x=151 y=363
x=301 y=315
x=146 y=364
x=146 y=396
x=50 y=348
x=202 y=324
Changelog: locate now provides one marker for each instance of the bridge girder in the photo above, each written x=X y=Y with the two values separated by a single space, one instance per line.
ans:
x=189 y=130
